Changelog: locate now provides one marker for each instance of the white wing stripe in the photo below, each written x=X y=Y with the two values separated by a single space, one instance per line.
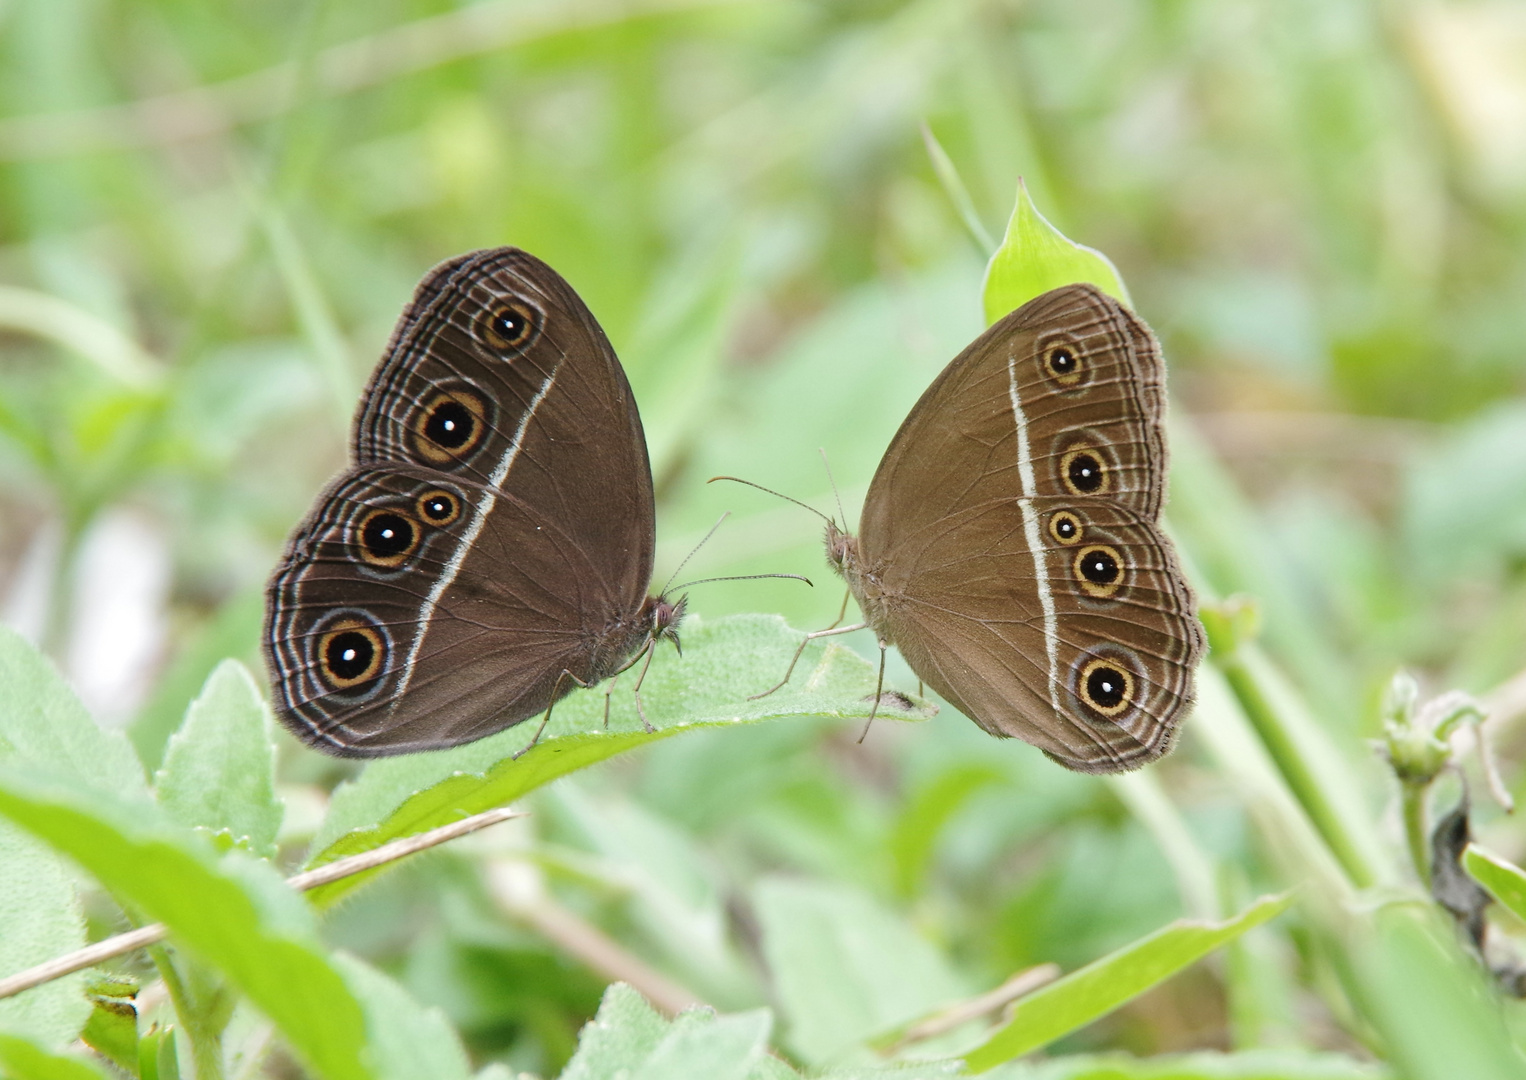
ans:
x=469 y=537
x=1031 y=532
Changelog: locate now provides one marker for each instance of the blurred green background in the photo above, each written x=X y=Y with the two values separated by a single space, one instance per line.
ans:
x=211 y=214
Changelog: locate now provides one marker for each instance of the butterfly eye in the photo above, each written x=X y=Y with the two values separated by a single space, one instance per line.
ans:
x=1083 y=472
x=439 y=508
x=1106 y=686
x=1099 y=570
x=387 y=538
x=510 y=325
x=449 y=426
x=349 y=654
x=1066 y=527
x=1064 y=362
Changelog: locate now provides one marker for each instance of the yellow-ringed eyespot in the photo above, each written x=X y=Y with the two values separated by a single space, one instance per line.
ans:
x=350 y=653
x=1083 y=472
x=1066 y=527
x=438 y=507
x=1106 y=686
x=449 y=426
x=1064 y=362
x=509 y=325
x=1099 y=569
x=386 y=537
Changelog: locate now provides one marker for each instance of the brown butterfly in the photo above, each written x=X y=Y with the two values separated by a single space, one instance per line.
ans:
x=1010 y=543
x=490 y=547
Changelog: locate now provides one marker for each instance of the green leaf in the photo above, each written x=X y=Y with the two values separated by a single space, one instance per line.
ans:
x=626 y=1029
x=1505 y=881
x=1246 y=1065
x=219 y=768
x=704 y=688
x=627 y=1038
x=702 y=1046
x=39 y=920
x=43 y=723
x=233 y=631
x=235 y=914
x=1102 y=986
x=405 y=1040
x=1035 y=257
x=112 y=1031
x=157 y=1057
x=671 y=894
x=1440 y=1016
x=22 y=1060
x=844 y=967
x=929 y=810
x=921 y=1070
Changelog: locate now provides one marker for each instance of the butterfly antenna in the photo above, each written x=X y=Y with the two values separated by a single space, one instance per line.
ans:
x=664 y=590
x=742 y=577
x=771 y=491
x=822 y=450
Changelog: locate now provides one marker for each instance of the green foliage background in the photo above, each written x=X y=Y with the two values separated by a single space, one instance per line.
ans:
x=211 y=214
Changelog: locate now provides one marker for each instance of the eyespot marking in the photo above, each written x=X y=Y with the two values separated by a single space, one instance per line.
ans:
x=349 y=654
x=1099 y=570
x=1106 y=686
x=509 y=325
x=450 y=426
x=386 y=537
x=1066 y=528
x=1083 y=472
x=1063 y=361
x=438 y=507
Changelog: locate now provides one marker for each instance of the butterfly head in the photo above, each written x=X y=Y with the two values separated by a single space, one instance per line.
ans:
x=842 y=549
x=663 y=616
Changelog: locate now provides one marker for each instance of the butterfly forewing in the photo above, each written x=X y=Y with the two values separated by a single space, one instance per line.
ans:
x=456 y=386
x=1061 y=397
x=496 y=531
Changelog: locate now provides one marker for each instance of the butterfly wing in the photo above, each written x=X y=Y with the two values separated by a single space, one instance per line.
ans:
x=456 y=391
x=1064 y=622
x=1092 y=430
x=496 y=530
x=1052 y=415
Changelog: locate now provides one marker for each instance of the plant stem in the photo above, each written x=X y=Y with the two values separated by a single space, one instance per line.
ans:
x=152 y=934
x=1281 y=744
x=204 y=1033
x=1413 y=795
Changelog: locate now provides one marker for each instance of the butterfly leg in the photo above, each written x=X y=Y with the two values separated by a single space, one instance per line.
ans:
x=879 y=685
x=608 y=693
x=544 y=720
x=830 y=630
x=651 y=647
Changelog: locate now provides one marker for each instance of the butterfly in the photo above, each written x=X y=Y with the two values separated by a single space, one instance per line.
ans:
x=1010 y=544
x=489 y=548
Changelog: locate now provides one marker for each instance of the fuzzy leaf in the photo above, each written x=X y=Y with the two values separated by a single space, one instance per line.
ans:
x=235 y=914
x=705 y=688
x=219 y=768
x=844 y=967
x=21 y=1060
x=406 y=1041
x=44 y=726
x=42 y=723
